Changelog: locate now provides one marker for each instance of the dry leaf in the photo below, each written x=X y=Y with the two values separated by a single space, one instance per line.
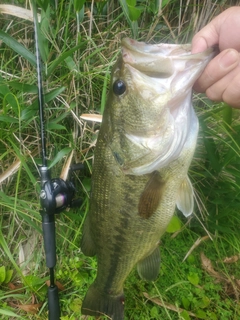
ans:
x=231 y=286
x=18 y=287
x=10 y=171
x=14 y=166
x=166 y=305
x=238 y=283
x=30 y=308
x=196 y=243
x=65 y=169
x=91 y=117
x=18 y=12
x=231 y=259
x=208 y=267
x=57 y=283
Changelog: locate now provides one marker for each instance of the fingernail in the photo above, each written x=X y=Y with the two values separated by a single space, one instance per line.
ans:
x=229 y=58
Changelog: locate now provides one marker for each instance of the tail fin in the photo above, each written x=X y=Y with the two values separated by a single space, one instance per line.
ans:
x=96 y=303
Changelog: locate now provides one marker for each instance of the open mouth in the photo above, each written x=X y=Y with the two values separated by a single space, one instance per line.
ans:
x=153 y=60
x=158 y=50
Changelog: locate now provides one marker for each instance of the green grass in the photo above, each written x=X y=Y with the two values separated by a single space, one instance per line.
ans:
x=78 y=50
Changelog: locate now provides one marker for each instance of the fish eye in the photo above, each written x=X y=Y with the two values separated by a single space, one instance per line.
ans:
x=119 y=87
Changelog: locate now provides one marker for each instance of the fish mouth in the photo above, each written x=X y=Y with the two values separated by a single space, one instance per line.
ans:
x=158 y=50
x=160 y=60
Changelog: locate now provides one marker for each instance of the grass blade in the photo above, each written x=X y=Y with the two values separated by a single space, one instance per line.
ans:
x=17 y=47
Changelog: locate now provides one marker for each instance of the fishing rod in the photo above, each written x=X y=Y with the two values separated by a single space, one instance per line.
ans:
x=55 y=195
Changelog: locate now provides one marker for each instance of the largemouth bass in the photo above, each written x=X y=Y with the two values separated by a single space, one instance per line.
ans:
x=143 y=152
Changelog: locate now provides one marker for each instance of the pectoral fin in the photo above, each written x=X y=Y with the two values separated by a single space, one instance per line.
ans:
x=87 y=245
x=148 y=268
x=185 y=199
x=151 y=196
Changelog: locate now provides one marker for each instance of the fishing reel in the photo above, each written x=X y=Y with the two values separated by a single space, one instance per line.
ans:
x=56 y=194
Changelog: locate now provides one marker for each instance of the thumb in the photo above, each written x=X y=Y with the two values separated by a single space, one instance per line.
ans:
x=206 y=37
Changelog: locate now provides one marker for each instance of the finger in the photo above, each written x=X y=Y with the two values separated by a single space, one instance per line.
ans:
x=232 y=94
x=217 y=69
x=205 y=38
x=227 y=89
x=222 y=30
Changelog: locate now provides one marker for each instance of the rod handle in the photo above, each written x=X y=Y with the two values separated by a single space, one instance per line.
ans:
x=48 y=227
x=53 y=303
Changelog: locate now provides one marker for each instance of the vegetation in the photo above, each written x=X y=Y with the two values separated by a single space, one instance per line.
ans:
x=79 y=42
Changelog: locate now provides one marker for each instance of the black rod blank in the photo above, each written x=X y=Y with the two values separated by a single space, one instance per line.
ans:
x=40 y=88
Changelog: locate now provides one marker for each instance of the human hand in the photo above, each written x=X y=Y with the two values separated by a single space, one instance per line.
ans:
x=221 y=78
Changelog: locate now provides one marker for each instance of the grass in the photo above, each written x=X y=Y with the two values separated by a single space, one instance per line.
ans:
x=79 y=47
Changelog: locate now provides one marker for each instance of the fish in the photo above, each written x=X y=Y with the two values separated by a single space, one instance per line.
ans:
x=140 y=172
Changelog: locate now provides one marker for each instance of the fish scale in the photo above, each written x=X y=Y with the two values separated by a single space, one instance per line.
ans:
x=140 y=168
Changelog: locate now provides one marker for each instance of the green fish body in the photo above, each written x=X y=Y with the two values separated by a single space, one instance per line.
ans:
x=143 y=153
